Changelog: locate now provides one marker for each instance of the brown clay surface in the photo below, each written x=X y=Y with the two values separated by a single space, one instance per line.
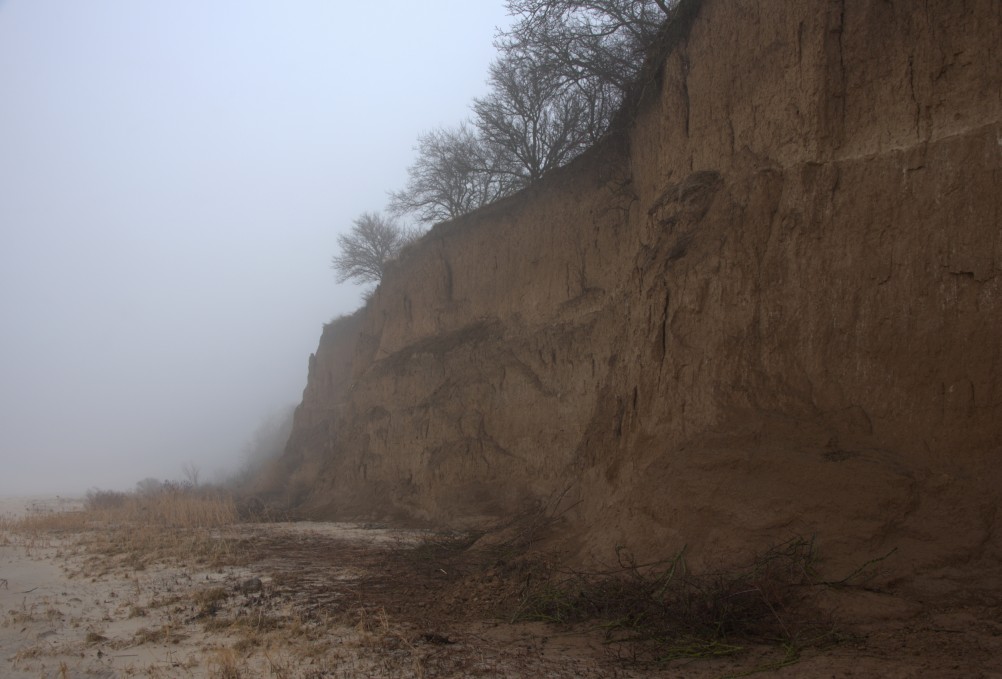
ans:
x=770 y=307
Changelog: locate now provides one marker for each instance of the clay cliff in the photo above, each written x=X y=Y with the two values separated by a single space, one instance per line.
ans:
x=771 y=305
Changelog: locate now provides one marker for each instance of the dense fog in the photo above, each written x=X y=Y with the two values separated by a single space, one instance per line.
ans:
x=173 y=178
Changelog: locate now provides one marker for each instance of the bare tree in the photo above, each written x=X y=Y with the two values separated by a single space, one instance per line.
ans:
x=564 y=69
x=191 y=474
x=590 y=40
x=149 y=486
x=456 y=172
x=373 y=242
x=530 y=115
x=565 y=66
x=601 y=100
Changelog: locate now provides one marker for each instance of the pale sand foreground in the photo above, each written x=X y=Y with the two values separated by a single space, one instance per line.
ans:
x=58 y=622
x=68 y=614
x=318 y=600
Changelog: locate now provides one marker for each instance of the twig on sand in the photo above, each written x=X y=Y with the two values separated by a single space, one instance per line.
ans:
x=3 y=583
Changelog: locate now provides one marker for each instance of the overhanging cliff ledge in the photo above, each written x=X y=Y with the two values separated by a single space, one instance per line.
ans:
x=771 y=306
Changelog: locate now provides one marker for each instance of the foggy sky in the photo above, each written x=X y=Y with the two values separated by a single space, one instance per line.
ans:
x=173 y=178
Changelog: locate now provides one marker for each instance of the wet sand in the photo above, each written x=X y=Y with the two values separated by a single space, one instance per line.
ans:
x=16 y=506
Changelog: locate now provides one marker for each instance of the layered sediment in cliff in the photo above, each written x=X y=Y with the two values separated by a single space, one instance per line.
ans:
x=772 y=306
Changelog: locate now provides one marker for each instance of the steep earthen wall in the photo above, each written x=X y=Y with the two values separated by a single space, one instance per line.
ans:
x=772 y=307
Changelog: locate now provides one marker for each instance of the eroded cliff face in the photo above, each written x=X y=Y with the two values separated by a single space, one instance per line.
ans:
x=772 y=307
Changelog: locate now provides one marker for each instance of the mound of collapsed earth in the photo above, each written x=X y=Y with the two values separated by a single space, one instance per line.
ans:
x=769 y=307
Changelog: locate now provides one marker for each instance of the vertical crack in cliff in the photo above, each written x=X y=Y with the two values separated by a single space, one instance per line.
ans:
x=911 y=90
x=684 y=61
x=843 y=92
x=663 y=333
x=835 y=90
x=800 y=45
x=448 y=277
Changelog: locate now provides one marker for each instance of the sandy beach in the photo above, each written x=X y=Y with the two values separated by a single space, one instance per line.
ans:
x=317 y=600
x=69 y=614
x=16 y=506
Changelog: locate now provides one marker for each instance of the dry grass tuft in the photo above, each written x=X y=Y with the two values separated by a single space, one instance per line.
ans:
x=209 y=601
x=176 y=523
x=225 y=664
x=52 y=523
x=95 y=638
x=6 y=528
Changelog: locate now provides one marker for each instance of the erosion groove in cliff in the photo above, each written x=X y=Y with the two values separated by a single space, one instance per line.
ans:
x=770 y=307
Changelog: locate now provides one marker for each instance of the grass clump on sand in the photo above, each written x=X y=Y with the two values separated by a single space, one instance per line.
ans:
x=174 y=522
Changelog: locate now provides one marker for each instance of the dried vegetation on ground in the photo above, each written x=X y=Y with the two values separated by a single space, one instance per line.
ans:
x=174 y=584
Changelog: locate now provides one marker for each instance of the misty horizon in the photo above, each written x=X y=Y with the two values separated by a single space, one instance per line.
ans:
x=173 y=179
